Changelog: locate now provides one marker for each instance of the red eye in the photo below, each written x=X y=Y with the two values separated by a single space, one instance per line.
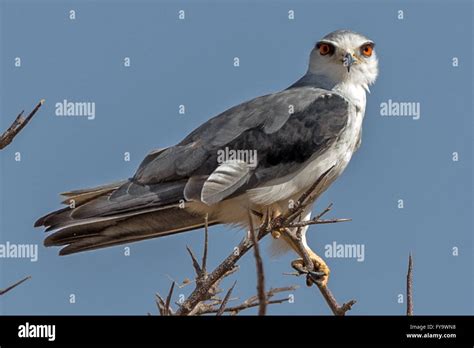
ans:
x=367 y=50
x=324 y=49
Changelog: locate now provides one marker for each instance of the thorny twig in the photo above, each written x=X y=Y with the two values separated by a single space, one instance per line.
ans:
x=209 y=302
x=410 y=286
x=251 y=302
x=18 y=124
x=207 y=283
x=4 y=291
x=164 y=305
x=262 y=308
x=221 y=309
x=5 y=139
x=315 y=277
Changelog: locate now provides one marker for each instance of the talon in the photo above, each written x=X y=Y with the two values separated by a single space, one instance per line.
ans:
x=321 y=271
x=315 y=277
x=271 y=220
x=276 y=234
x=317 y=274
x=298 y=265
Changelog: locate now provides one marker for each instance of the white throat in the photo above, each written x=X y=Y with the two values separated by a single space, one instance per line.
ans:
x=355 y=92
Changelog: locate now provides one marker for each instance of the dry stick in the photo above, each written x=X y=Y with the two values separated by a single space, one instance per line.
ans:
x=17 y=125
x=410 y=286
x=262 y=308
x=315 y=222
x=324 y=212
x=252 y=301
x=201 y=276
x=241 y=307
x=212 y=294
x=317 y=219
x=331 y=301
x=168 y=300
x=201 y=291
x=327 y=294
x=5 y=139
x=272 y=292
x=248 y=303
x=206 y=242
x=196 y=266
x=160 y=303
x=221 y=309
x=4 y=291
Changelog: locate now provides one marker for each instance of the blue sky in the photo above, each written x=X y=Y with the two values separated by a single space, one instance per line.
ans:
x=190 y=62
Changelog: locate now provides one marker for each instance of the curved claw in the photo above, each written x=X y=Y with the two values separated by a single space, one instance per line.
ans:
x=317 y=274
x=315 y=277
x=320 y=275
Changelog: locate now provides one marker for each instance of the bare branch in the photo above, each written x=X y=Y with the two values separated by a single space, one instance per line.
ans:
x=410 y=286
x=207 y=288
x=206 y=242
x=315 y=277
x=201 y=291
x=4 y=291
x=164 y=305
x=168 y=299
x=324 y=212
x=236 y=309
x=160 y=303
x=18 y=124
x=252 y=302
x=225 y=300
x=315 y=222
x=196 y=266
x=262 y=300
x=332 y=303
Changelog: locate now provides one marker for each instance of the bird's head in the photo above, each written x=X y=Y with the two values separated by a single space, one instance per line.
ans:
x=345 y=56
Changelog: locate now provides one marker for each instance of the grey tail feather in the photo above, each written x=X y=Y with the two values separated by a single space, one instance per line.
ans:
x=110 y=232
x=80 y=197
x=138 y=212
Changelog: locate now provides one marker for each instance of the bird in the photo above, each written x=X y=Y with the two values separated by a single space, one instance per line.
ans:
x=311 y=128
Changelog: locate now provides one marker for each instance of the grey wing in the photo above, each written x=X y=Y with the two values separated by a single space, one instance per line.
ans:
x=268 y=113
x=285 y=129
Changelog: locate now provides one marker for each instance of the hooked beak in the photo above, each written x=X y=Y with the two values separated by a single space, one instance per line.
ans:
x=347 y=61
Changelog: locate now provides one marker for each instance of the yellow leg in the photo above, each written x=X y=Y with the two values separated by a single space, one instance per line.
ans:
x=274 y=212
x=318 y=262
